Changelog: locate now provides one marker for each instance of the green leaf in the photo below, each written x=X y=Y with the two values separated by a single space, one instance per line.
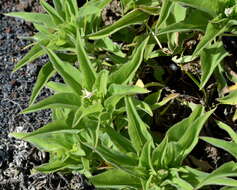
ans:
x=58 y=5
x=127 y=71
x=108 y=45
x=134 y=17
x=210 y=58
x=213 y=30
x=44 y=75
x=85 y=111
x=86 y=67
x=180 y=27
x=111 y=102
x=141 y=105
x=184 y=136
x=58 y=165
x=230 y=147
x=52 y=12
x=54 y=137
x=37 y=18
x=93 y=7
x=224 y=182
x=164 y=101
x=227 y=170
x=59 y=87
x=195 y=20
x=121 y=142
x=73 y=8
x=137 y=129
x=59 y=126
x=101 y=83
x=153 y=97
x=190 y=137
x=89 y=9
x=35 y=52
x=118 y=159
x=115 y=178
x=229 y=130
x=69 y=73
x=230 y=99
x=61 y=100
x=121 y=90
x=228 y=188
x=166 y=8
x=211 y=7
x=145 y=157
x=178 y=182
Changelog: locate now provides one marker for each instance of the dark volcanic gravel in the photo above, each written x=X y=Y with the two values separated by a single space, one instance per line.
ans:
x=17 y=158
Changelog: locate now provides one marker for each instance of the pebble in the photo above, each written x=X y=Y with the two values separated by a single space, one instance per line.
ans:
x=15 y=90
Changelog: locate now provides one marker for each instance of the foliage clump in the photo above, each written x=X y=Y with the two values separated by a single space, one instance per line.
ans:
x=103 y=112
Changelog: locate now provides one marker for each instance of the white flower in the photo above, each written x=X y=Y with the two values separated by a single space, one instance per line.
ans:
x=87 y=94
x=228 y=11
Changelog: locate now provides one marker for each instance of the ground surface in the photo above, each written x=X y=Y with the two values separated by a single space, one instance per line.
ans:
x=17 y=158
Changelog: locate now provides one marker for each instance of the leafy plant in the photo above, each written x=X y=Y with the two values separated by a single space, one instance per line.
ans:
x=229 y=146
x=101 y=113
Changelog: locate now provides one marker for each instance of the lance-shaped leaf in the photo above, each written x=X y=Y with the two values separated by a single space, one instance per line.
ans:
x=86 y=67
x=117 y=92
x=116 y=89
x=69 y=73
x=230 y=99
x=85 y=111
x=117 y=159
x=73 y=8
x=228 y=188
x=37 y=18
x=213 y=7
x=35 y=52
x=59 y=126
x=93 y=7
x=145 y=157
x=178 y=182
x=213 y=30
x=227 y=170
x=137 y=129
x=101 y=83
x=134 y=17
x=61 y=100
x=58 y=165
x=115 y=178
x=166 y=8
x=210 y=58
x=121 y=142
x=46 y=72
x=195 y=20
x=109 y=45
x=230 y=147
x=127 y=71
x=59 y=87
x=52 y=12
x=58 y=5
x=183 y=136
x=54 y=136
x=229 y=130
x=190 y=137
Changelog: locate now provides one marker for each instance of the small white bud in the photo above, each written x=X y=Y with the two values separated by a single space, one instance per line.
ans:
x=228 y=11
x=87 y=94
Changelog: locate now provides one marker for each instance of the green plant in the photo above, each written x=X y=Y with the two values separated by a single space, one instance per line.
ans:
x=229 y=146
x=99 y=124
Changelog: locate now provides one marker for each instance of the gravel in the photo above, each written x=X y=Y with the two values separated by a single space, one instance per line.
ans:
x=17 y=158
